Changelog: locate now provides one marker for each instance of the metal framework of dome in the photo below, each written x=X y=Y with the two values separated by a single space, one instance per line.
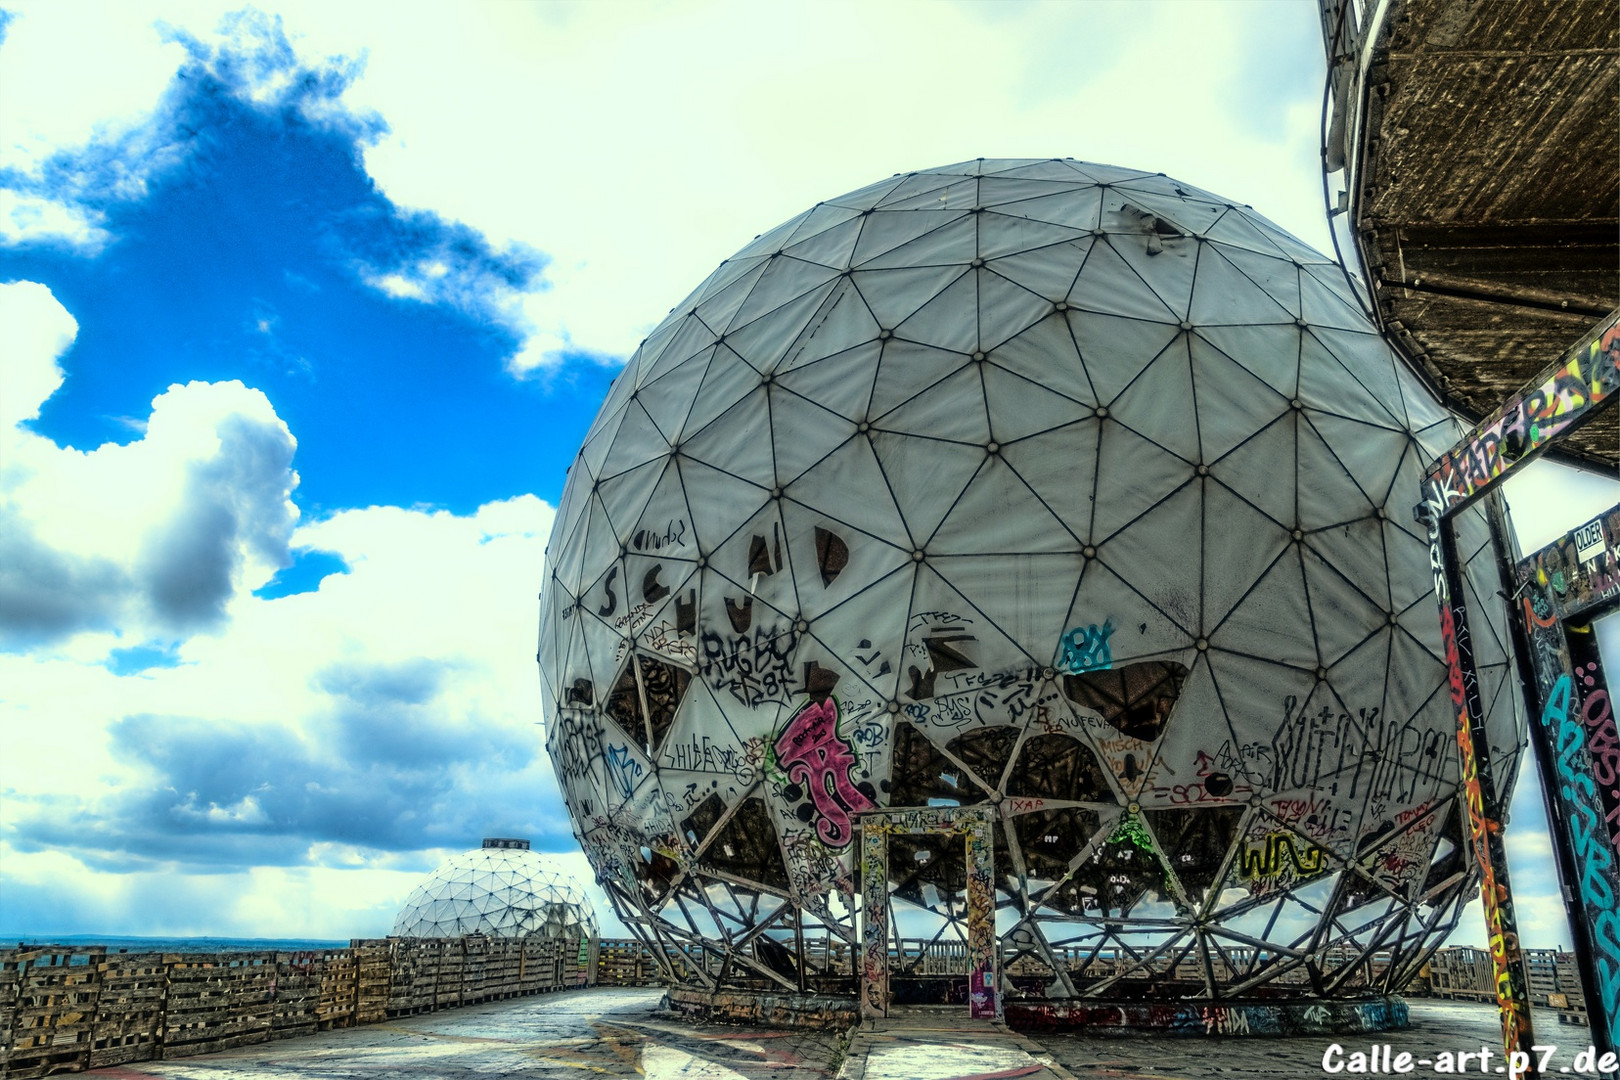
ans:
x=1066 y=495
x=498 y=890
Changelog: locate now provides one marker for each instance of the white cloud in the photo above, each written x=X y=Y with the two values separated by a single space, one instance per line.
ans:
x=35 y=331
x=639 y=145
x=362 y=728
x=150 y=538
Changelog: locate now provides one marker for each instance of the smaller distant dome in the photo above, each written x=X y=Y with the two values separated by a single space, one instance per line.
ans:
x=499 y=890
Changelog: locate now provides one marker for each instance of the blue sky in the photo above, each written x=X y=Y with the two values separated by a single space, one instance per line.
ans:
x=305 y=311
x=266 y=225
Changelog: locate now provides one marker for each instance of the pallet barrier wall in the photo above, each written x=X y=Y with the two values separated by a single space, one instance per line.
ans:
x=68 y=1009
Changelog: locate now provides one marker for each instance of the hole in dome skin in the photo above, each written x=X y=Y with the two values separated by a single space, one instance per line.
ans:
x=832 y=555
x=1059 y=766
x=929 y=871
x=763 y=557
x=944 y=654
x=921 y=773
x=1050 y=839
x=665 y=685
x=654 y=870
x=986 y=751
x=624 y=707
x=1449 y=858
x=744 y=846
x=581 y=693
x=1135 y=699
x=819 y=681
x=741 y=616
x=698 y=824
x=1196 y=842
x=1122 y=872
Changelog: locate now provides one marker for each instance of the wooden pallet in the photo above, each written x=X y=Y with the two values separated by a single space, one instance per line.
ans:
x=373 y=963
x=296 y=994
x=412 y=965
x=448 y=981
x=335 y=1006
x=53 y=1011
x=216 y=1001
x=129 y=1009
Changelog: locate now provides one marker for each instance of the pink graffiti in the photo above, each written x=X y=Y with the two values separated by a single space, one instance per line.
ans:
x=817 y=758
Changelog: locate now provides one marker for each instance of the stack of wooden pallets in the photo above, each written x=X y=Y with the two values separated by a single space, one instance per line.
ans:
x=52 y=1018
x=335 y=1008
x=216 y=1001
x=373 y=978
x=63 y=1010
x=129 y=1008
x=296 y=994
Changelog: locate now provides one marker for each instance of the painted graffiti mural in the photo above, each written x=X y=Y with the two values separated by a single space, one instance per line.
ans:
x=973 y=827
x=1581 y=570
x=814 y=757
x=1485 y=828
x=1586 y=378
x=1562 y=584
x=1594 y=854
x=874 y=922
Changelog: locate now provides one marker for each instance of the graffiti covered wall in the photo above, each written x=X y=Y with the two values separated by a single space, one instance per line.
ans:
x=1561 y=588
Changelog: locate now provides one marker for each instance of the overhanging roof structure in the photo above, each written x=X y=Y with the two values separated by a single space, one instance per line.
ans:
x=1483 y=158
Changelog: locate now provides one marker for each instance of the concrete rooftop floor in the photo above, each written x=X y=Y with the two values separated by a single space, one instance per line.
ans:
x=620 y=1033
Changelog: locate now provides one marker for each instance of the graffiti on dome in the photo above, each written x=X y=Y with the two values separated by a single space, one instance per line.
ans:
x=1365 y=755
x=819 y=763
x=1086 y=648
x=623 y=769
x=657 y=538
x=1018 y=696
x=578 y=743
x=1267 y=858
x=753 y=667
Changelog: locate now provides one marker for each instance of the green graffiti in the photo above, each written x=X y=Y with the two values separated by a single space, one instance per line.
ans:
x=1130 y=831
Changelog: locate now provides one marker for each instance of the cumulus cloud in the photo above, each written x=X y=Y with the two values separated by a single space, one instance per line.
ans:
x=392 y=708
x=69 y=183
x=92 y=125
x=150 y=538
x=162 y=719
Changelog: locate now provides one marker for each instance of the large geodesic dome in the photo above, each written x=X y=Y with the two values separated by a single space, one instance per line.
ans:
x=1067 y=491
x=498 y=891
